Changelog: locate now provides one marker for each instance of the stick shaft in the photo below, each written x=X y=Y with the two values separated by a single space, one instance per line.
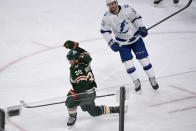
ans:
x=189 y=3
x=55 y=103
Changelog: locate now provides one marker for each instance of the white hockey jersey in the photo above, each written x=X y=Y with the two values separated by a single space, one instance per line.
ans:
x=123 y=25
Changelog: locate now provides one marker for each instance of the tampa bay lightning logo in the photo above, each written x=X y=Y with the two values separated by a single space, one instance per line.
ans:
x=123 y=27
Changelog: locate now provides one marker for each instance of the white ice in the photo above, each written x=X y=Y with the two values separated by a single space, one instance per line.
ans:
x=33 y=64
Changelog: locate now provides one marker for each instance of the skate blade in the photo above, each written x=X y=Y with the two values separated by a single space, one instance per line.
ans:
x=138 y=92
x=155 y=5
x=70 y=127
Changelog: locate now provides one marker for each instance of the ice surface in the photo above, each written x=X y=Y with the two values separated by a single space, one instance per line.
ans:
x=33 y=64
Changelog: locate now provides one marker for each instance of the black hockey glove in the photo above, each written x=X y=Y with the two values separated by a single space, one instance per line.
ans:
x=143 y=31
x=71 y=44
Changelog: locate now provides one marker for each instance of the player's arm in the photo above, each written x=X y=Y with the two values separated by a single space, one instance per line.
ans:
x=136 y=19
x=106 y=32
x=73 y=45
x=85 y=57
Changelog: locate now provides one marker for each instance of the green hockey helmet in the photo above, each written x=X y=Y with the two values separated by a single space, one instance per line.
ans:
x=73 y=55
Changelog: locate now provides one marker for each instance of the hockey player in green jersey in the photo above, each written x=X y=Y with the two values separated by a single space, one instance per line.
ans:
x=83 y=82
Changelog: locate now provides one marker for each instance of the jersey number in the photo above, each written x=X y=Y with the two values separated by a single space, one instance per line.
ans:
x=90 y=77
x=78 y=72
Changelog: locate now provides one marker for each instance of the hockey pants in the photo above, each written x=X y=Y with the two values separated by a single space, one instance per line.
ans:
x=86 y=102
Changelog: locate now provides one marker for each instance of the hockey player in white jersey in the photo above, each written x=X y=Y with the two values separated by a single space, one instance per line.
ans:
x=128 y=29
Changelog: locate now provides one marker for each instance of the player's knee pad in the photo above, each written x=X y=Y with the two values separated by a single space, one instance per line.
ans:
x=70 y=103
x=88 y=107
x=93 y=113
x=145 y=62
x=94 y=110
x=129 y=65
x=85 y=107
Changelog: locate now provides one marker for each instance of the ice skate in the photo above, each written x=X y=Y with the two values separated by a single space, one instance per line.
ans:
x=156 y=2
x=153 y=83
x=176 y=1
x=115 y=109
x=71 y=121
x=137 y=85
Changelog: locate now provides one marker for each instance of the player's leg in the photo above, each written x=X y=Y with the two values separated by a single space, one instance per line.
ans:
x=142 y=55
x=147 y=66
x=89 y=106
x=127 y=59
x=72 y=109
x=131 y=70
x=94 y=110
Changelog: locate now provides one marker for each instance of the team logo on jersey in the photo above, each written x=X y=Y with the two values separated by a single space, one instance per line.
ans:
x=123 y=27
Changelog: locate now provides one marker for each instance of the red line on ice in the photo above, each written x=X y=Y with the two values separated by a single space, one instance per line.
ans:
x=184 y=90
x=16 y=125
x=43 y=45
x=173 y=101
x=51 y=48
x=177 y=100
x=24 y=57
x=183 y=109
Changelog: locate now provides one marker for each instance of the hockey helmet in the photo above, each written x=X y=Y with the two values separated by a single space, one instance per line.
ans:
x=73 y=55
x=109 y=1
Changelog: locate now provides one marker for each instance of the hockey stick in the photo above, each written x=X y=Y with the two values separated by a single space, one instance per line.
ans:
x=189 y=3
x=26 y=105
x=134 y=37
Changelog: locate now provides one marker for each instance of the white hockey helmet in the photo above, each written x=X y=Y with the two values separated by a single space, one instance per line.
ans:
x=109 y=1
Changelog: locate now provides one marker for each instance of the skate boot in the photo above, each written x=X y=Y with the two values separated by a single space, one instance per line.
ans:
x=71 y=121
x=137 y=85
x=176 y=1
x=115 y=109
x=156 y=2
x=153 y=83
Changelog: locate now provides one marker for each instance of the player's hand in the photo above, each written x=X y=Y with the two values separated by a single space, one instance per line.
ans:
x=143 y=31
x=71 y=44
x=115 y=46
x=72 y=93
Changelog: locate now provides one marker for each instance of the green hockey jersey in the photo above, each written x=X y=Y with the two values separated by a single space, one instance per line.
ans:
x=81 y=75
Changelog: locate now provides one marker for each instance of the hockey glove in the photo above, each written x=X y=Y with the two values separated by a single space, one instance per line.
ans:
x=71 y=44
x=143 y=31
x=72 y=93
x=115 y=46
